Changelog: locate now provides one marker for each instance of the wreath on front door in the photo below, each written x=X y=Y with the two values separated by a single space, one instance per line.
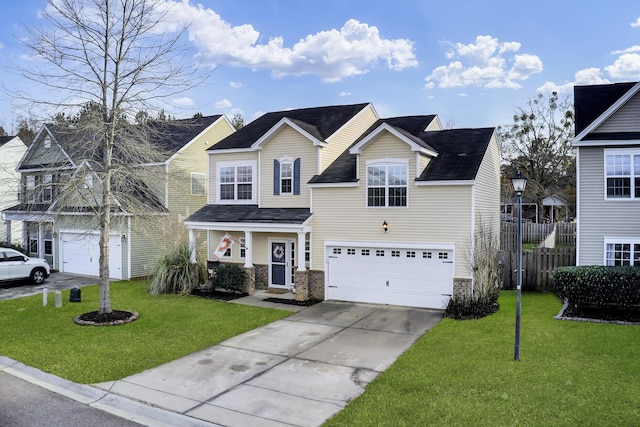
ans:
x=278 y=251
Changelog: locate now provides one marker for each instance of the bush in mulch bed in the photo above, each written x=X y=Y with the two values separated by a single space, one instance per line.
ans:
x=606 y=314
x=218 y=294
x=307 y=303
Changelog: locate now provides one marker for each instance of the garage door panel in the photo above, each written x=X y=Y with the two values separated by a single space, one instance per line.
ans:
x=402 y=276
x=80 y=254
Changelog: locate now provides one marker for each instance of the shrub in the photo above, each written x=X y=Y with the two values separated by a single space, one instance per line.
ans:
x=599 y=286
x=171 y=274
x=15 y=246
x=229 y=277
x=474 y=306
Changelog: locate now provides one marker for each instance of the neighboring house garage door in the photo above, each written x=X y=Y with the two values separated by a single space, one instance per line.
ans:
x=80 y=254
x=409 y=276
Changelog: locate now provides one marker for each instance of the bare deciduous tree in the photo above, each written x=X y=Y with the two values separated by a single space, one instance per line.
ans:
x=113 y=59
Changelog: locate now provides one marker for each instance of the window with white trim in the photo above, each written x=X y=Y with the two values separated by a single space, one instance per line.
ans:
x=243 y=249
x=31 y=188
x=387 y=185
x=623 y=252
x=236 y=182
x=286 y=177
x=47 y=187
x=198 y=184
x=622 y=174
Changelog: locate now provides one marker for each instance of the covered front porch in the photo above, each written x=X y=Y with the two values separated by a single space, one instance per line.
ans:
x=271 y=244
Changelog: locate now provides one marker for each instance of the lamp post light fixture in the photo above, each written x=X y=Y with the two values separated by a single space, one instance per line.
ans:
x=519 y=183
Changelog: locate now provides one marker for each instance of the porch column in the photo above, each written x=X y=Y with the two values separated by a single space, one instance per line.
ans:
x=40 y=241
x=248 y=249
x=300 y=251
x=192 y=245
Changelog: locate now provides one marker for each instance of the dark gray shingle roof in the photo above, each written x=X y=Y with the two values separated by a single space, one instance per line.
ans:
x=591 y=101
x=250 y=214
x=321 y=122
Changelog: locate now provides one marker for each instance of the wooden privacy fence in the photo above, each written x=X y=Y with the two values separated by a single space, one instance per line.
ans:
x=536 y=233
x=537 y=267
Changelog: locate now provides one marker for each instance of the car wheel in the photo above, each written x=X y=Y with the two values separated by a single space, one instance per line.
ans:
x=38 y=275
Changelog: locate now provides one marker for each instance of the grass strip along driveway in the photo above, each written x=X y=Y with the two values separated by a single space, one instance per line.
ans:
x=459 y=373
x=169 y=327
x=462 y=373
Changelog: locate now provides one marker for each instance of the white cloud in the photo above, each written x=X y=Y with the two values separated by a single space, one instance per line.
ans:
x=632 y=49
x=222 y=104
x=343 y=93
x=236 y=85
x=635 y=23
x=332 y=55
x=485 y=63
x=588 y=76
x=627 y=66
x=184 y=102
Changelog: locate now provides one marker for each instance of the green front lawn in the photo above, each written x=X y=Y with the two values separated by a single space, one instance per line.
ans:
x=462 y=373
x=169 y=327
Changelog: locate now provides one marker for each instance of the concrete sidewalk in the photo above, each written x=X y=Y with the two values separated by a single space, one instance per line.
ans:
x=297 y=371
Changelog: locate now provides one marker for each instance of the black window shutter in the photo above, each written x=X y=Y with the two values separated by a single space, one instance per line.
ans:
x=296 y=176
x=276 y=177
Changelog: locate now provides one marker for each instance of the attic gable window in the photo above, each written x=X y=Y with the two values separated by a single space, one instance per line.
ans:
x=622 y=174
x=387 y=185
x=47 y=142
x=236 y=182
x=286 y=176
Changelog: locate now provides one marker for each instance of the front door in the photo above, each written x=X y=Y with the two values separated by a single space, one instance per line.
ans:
x=280 y=265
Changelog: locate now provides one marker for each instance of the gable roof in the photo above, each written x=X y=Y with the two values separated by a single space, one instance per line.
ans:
x=319 y=122
x=169 y=137
x=456 y=153
x=5 y=139
x=595 y=103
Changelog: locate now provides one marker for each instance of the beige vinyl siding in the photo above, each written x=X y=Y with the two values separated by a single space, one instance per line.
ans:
x=193 y=158
x=598 y=217
x=487 y=191
x=260 y=245
x=435 y=214
x=346 y=136
x=287 y=143
x=221 y=156
x=424 y=162
x=434 y=125
x=623 y=120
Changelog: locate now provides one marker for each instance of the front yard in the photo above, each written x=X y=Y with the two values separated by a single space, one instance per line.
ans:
x=460 y=373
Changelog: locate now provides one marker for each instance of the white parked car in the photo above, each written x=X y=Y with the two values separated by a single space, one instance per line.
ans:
x=15 y=266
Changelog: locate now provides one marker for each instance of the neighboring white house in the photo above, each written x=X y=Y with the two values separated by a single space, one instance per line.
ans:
x=608 y=173
x=339 y=204
x=12 y=149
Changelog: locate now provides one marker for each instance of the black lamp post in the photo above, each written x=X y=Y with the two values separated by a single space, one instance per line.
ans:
x=519 y=183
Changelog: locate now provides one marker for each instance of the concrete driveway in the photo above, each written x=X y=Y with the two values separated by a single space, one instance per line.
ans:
x=55 y=282
x=296 y=371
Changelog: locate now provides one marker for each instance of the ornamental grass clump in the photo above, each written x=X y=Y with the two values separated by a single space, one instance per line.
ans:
x=173 y=272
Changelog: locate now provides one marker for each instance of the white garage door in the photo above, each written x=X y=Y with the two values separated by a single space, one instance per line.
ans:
x=80 y=254
x=415 y=277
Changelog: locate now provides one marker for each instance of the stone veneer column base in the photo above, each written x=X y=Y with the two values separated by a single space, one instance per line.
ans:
x=302 y=285
x=461 y=287
x=316 y=285
x=250 y=280
x=262 y=276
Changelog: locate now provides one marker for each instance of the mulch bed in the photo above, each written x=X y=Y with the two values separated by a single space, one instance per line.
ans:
x=606 y=314
x=116 y=317
x=307 y=303
x=218 y=294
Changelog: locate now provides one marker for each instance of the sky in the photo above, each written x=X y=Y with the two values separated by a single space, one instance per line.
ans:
x=472 y=63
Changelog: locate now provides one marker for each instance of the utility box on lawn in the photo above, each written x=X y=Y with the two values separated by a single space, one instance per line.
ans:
x=75 y=295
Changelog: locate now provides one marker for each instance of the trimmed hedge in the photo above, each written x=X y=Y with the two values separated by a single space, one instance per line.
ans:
x=229 y=277
x=599 y=286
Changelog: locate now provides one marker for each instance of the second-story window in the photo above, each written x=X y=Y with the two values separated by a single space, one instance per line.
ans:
x=30 y=189
x=286 y=176
x=387 y=185
x=47 y=188
x=236 y=183
x=198 y=184
x=622 y=174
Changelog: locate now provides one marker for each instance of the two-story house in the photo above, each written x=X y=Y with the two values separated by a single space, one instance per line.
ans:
x=607 y=143
x=337 y=203
x=12 y=148
x=58 y=223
